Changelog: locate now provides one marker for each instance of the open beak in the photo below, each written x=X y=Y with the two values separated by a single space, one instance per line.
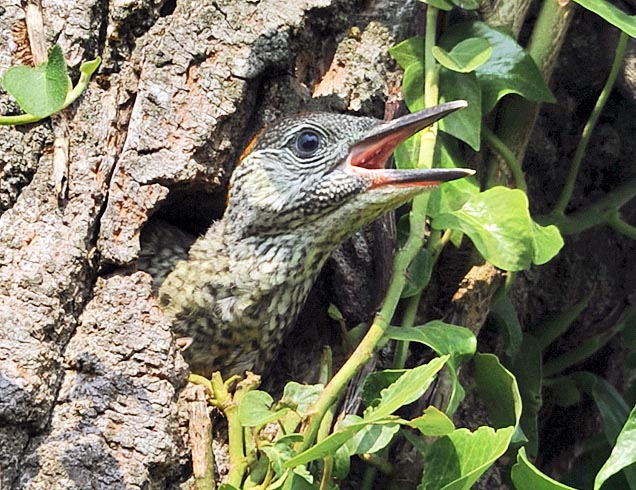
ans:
x=368 y=156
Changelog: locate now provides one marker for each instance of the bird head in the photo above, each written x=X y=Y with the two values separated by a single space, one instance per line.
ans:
x=324 y=171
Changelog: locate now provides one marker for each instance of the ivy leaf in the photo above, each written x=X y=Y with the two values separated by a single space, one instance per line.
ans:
x=433 y=422
x=299 y=397
x=254 y=409
x=408 y=52
x=444 y=339
x=498 y=389
x=418 y=273
x=623 y=454
x=464 y=125
x=452 y=195
x=499 y=224
x=466 y=55
x=406 y=389
x=547 y=242
x=413 y=87
x=456 y=461
x=509 y=70
x=40 y=91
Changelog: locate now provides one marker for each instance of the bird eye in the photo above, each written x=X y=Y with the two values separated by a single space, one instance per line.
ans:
x=307 y=143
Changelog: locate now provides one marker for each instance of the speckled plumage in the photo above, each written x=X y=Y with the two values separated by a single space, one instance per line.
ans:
x=245 y=281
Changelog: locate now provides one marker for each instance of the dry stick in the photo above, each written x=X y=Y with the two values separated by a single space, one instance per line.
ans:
x=61 y=146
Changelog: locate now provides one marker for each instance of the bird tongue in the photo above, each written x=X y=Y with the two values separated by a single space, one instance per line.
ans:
x=368 y=156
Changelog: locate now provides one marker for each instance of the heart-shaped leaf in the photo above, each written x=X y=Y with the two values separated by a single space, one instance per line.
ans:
x=466 y=55
x=499 y=224
x=40 y=91
x=509 y=70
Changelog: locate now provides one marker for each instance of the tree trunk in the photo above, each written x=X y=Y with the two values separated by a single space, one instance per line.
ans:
x=91 y=376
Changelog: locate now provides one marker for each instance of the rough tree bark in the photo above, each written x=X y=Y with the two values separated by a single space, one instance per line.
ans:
x=90 y=375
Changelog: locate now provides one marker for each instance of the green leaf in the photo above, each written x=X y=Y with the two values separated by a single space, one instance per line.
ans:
x=503 y=312
x=40 y=91
x=418 y=273
x=564 y=391
x=300 y=397
x=466 y=124
x=558 y=324
x=456 y=461
x=408 y=388
x=254 y=409
x=375 y=382
x=443 y=338
x=452 y=195
x=498 y=389
x=88 y=67
x=509 y=70
x=526 y=476
x=499 y=224
x=372 y=438
x=433 y=422
x=330 y=444
x=408 y=52
x=341 y=463
x=466 y=55
x=526 y=366
x=623 y=453
x=407 y=154
x=611 y=14
x=547 y=242
x=413 y=87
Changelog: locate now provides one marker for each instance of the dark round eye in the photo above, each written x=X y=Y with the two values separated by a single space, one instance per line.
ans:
x=307 y=143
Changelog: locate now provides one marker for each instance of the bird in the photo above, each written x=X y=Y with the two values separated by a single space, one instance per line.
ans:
x=302 y=186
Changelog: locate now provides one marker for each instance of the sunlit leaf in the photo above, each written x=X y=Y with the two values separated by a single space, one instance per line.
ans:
x=255 y=409
x=433 y=422
x=40 y=91
x=623 y=453
x=509 y=70
x=456 y=461
x=406 y=389
x=499 y=224
x=466 y=55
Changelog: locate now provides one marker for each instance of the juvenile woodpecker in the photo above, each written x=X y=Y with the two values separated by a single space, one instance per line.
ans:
x=304 y=185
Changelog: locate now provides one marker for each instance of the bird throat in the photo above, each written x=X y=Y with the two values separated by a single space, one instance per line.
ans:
x=236 y=297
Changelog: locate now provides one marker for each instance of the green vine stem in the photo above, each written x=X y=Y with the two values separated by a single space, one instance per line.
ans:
x=417 y=218
x=600 y=212
x=507 y=156
x=568 y=188
x=615 y=221
x=403 y=258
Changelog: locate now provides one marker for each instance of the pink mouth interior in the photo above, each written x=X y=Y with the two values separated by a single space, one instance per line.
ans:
x=373 y=156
